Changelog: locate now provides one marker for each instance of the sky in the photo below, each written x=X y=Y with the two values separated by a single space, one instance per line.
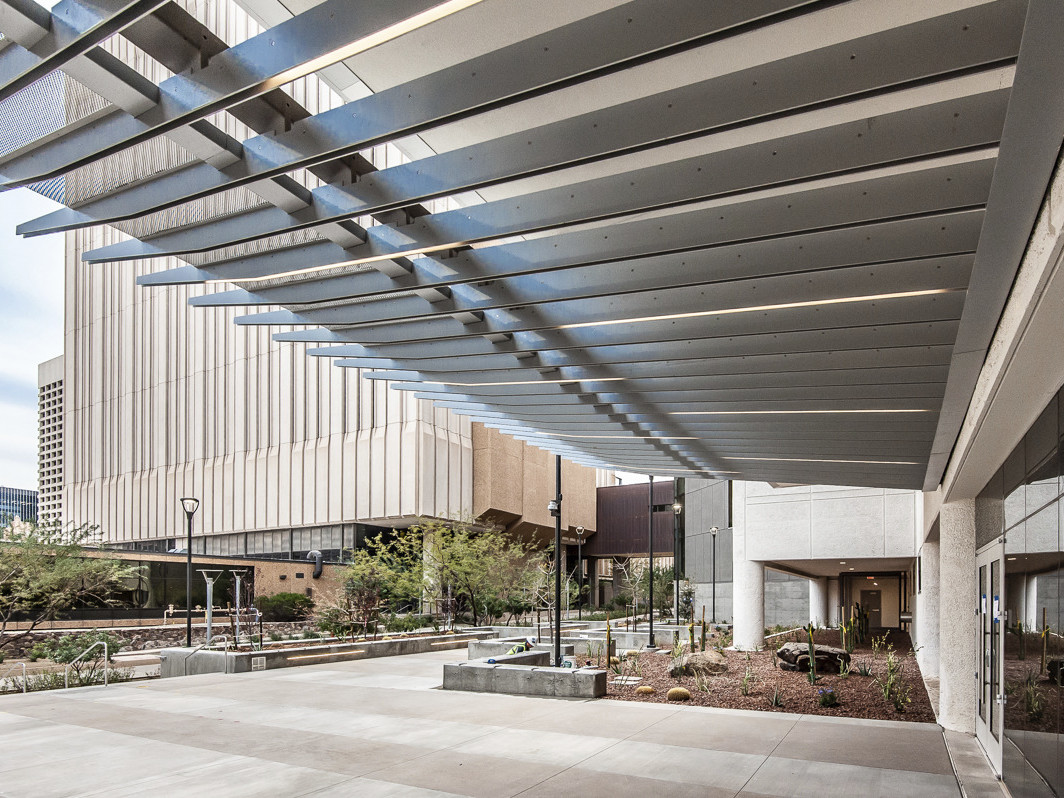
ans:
x=31 y=329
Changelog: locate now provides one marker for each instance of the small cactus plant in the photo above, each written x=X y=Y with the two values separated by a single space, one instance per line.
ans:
x=645 y=689
x=678 y=694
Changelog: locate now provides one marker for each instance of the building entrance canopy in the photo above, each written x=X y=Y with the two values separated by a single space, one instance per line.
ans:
x=767 y=240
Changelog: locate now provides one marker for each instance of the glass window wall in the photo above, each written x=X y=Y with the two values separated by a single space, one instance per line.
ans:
x=1025 y=503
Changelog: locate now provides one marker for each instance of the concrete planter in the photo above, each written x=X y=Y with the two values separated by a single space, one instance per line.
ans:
x=179 y=662
x=479 y=676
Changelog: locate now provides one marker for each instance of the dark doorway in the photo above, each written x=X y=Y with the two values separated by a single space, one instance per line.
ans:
x=872 y=603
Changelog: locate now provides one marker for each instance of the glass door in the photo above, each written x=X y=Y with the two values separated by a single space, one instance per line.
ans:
x=990 y=634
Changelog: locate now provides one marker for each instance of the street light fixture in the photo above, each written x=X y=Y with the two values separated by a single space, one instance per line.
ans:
x=713 y=532
x=580 y=573
x=650 y=554
x=189 y=505
x=677 y=508
x=555 y=507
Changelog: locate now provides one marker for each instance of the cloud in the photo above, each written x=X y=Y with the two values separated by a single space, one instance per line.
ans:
x=31 y=329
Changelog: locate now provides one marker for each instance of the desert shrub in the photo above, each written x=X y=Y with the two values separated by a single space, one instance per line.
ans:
x=284 y=606
x=88 y=670
x=827 y=697
x=747 y=681
x=406 y=623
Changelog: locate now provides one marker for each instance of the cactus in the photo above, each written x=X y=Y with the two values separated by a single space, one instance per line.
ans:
x=691 y=635
x=812 y=654
x=609 y=639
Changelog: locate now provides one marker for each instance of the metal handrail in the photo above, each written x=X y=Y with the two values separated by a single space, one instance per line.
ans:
x=106 y=662
x=201 y=646
x=785 y=632
x=16 y=665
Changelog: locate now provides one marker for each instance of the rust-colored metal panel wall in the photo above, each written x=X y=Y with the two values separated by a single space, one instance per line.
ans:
x=622 y=521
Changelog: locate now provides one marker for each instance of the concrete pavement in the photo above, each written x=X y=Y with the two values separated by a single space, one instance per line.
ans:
x=380 y=728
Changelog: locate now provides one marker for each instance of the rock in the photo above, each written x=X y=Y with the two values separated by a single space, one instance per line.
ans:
x=795 y=657
x=646 y=689
x=678 y=694
x=1055 y=670
x=705 y=663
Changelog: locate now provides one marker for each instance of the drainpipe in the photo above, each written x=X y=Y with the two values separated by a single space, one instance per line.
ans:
x=318 y=559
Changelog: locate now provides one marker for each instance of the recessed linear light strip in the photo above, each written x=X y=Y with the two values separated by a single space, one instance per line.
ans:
x=820 y=460
x=812 y=303
x=524 y=382
x=621 y=437
x=376 y=39
x=784 y=412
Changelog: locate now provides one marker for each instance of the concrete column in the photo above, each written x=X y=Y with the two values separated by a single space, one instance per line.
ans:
x=834 y=601
x=1031 y=615
x=818 y=601
x=749 y=607
x=748 y=581
x=925 y=622
x=956 y=616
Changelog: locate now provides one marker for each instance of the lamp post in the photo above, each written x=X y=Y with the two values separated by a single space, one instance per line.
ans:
x=189 y=505
x=580 y=573
x=713 y=532
x=650 y=552
x=555 y=507
x=677 y=508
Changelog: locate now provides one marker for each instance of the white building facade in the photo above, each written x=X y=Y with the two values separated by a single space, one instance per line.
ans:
x=50 y=441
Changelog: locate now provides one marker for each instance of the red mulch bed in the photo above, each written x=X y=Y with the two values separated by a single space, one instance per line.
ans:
x=859 y=696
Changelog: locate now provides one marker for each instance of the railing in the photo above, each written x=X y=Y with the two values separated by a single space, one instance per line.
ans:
x=785 y=632
x=16 y=665
x=73 y=662
x=197 y=649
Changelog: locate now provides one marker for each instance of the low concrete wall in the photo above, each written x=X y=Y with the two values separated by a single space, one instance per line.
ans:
x=204 y=661
x=482 y=677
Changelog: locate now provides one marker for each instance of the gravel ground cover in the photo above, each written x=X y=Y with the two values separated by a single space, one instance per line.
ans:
x=858 y=696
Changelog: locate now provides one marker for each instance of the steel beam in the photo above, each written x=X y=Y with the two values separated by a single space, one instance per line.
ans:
x=75 y=28
x=323 y=35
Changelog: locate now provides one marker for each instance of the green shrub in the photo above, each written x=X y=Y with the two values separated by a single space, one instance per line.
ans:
x=827 y=697
x=406 y=623
x=66 y=649
x=275 y=636
x=284 y=606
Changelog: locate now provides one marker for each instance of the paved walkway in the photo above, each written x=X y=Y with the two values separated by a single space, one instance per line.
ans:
x=378 y=728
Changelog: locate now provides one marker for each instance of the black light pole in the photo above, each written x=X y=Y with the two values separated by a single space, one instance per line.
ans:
x=677 y=508
x=555 y=507
x=713 y=532
x=580 y=573
x=650 y=551
x=189 y=505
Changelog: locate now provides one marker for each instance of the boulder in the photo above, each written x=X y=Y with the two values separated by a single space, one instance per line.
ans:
x=795 y=657
x=1055 y=670
x=704 y=663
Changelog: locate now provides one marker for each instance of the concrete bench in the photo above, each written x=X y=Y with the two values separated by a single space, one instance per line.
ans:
x=479 y=649
x=520 y=658
x=480 y=676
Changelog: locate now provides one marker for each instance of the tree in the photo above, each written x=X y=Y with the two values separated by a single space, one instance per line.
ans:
x=44 y=573
x=383 y=574
x=663 y=587
x=486 y=570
